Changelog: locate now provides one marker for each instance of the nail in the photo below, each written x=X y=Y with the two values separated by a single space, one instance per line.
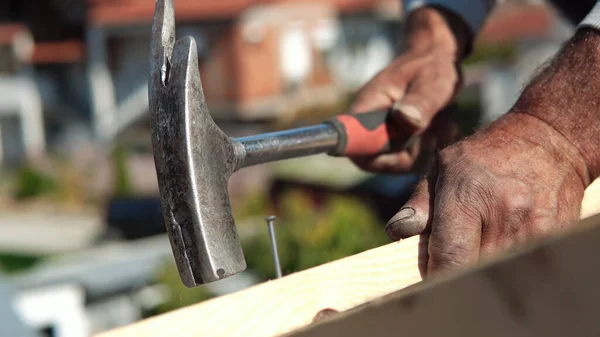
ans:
x=403 y=214
x=270 y=219
x=410 y=112
x=392 y=226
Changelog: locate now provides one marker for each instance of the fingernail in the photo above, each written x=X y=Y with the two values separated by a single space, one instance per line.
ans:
x=403 y=214
x=410 y=112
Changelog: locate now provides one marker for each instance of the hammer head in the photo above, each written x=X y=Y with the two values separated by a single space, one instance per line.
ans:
x=194 y=160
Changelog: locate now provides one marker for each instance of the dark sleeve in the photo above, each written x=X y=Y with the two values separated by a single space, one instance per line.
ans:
x=574 y=10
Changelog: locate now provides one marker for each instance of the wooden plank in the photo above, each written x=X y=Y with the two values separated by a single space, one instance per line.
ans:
x=591 y=200
x=549 y=289
x=280 y=306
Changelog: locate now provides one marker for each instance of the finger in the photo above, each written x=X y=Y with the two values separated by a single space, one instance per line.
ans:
x=387 y=87
x=414 y=217
x=423 y=254
x=399 y=162
x=377 y=96
x=455 y=236
x=423 y=100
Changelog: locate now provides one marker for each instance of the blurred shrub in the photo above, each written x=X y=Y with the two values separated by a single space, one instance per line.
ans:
x=468 y=114
x=502 y=52
x=32 y=183
x=307 y=236
x=58 y=181
x=123 y=186
x=10 y=263
x=71 y=189
x=181 y=296
x=256 y=204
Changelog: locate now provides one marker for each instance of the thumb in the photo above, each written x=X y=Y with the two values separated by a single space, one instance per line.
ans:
x=415 y=216
x=422 y=102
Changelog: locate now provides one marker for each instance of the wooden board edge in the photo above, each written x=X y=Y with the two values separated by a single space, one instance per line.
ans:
x=591 y=200
x=546 y=289
x=279 y=306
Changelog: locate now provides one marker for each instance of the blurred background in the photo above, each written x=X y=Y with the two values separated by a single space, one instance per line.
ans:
x=83 y=246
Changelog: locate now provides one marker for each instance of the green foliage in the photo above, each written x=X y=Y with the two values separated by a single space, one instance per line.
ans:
x=32 y=183
x=181 y=296
x=10 y=263
x=123 y=186
x=492 y=52
x=469 y=111
x=256 y=204
x=307 y=237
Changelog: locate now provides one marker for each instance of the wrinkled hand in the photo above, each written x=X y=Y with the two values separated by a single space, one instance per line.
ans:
x=423 y=80
x=522 y=177
x=514 y=181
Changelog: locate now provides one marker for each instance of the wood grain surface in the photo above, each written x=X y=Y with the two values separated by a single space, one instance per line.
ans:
x=280 y=306
x=548 y=289
x=591 y=200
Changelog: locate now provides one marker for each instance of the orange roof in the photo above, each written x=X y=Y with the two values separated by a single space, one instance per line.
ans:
x=58 y=52
x=106 y=12
x=44 y=52
x=512 y=22
x=8 y=31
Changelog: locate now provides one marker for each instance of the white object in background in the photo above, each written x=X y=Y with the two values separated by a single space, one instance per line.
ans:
x=101 y=84
x=61 y=308
x=326 y=34
x=379 y=54
x=498 y=92
x=254 y=31
x=112 y=312
x=21 y=99
x=353 y=65
x=504 y=83
x=296 y=58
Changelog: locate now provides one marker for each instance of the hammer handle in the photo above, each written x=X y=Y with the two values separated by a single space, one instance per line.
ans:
x=357 y=135
x=369 y=134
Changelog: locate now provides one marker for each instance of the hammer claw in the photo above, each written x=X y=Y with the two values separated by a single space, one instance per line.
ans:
x=163 y=39
x=193 y=159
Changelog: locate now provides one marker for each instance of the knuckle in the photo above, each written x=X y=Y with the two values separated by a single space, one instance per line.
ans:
x=449 y=155
x=473 y=187
x=421 y=103
x=517 y=201
x=449 y=256
x=539 y=228
x=456 y=153
x=530 y=227
x=443 y=75
x=516 y=206
x=447 y=82
x=399 y=73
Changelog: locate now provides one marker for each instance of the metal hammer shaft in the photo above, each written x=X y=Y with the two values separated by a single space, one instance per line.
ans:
x=273 y=146
x=346 y=135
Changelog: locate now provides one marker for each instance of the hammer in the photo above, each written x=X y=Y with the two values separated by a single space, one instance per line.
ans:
x=194 y=158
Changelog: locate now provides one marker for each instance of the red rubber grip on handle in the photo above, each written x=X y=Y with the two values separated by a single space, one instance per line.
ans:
x=369 y=134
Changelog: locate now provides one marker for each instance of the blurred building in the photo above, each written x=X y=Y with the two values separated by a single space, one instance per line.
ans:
x=76 y=71
x=535 y=32
x=42 y=74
